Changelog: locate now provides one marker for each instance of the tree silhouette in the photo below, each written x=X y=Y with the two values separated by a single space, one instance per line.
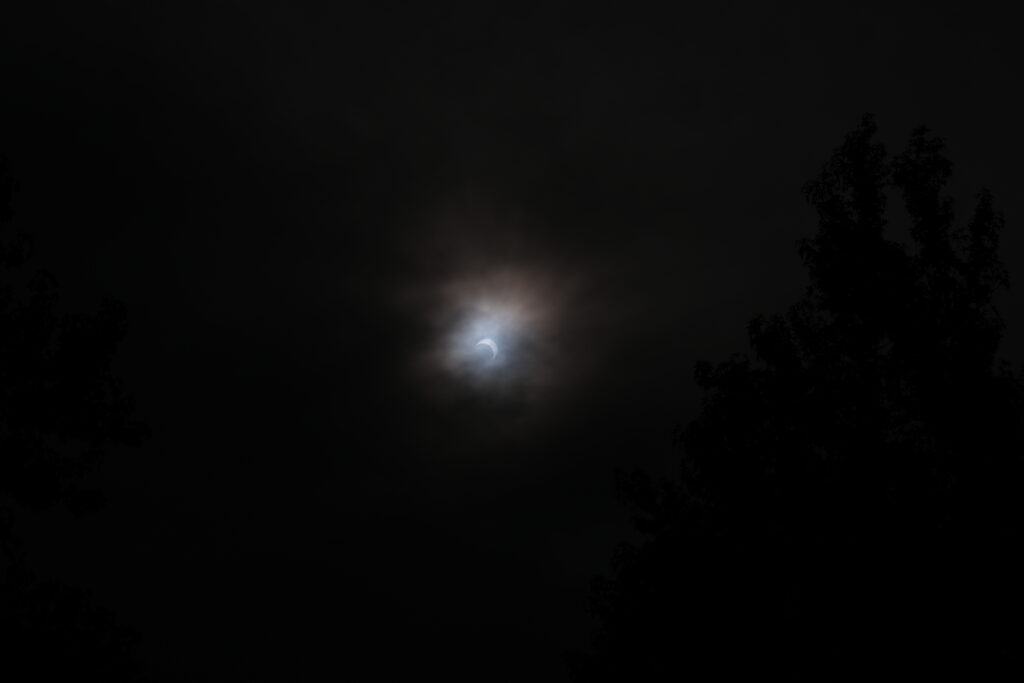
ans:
x=60 y=406
x=849 y=501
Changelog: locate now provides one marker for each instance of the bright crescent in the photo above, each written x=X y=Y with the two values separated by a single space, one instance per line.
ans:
x=489 y=343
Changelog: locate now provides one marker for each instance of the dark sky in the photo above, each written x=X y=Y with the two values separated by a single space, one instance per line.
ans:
x=300 y=204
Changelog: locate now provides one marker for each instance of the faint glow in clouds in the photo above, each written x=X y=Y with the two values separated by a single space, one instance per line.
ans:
x=480 y=278
x=496 y=325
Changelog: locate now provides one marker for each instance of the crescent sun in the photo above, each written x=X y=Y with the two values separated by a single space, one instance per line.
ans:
x=489 y=343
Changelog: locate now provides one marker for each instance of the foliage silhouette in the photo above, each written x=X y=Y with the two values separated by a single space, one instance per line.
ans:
x=60 y=406
x=849 y=503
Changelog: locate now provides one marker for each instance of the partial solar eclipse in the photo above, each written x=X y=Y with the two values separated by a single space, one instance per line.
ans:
x=489 y=343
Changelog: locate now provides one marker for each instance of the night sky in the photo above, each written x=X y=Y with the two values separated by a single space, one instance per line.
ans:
x=312 y=212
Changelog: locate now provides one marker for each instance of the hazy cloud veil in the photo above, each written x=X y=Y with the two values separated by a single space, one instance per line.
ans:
x=537 y=305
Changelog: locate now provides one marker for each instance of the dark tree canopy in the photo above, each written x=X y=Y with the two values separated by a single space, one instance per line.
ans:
x=849 y=502
x=60 y=406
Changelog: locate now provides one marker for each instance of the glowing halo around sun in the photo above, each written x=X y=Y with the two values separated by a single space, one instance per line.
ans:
x=485 y=339
x=496 y=329
x=499 y=333
x=475 y=274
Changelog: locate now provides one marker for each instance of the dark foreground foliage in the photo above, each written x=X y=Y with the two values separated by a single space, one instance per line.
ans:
x=849 y=506
x=60 y=407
